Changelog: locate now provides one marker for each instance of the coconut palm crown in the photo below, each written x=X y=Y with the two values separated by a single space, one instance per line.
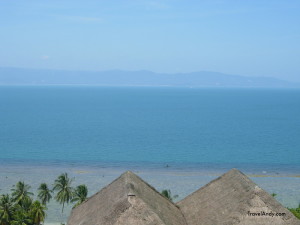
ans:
x=44 y=193
x=64 y=190
x=21 y=218
x=167 y=193
x=38 y=212
x=6 y=210
x=20 y=192
x=80 y=194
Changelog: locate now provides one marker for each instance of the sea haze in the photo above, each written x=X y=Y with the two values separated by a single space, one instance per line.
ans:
x=18 y=76
x=182 y=126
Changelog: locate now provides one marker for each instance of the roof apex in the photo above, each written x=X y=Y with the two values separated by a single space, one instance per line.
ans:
x=127 y=200
x=228 y=199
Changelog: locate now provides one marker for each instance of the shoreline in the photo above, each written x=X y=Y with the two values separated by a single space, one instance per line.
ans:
x=51 y=223
x=181 y=181
x=271 y=169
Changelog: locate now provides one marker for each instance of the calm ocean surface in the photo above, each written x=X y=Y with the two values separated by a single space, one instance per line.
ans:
x=150 y=126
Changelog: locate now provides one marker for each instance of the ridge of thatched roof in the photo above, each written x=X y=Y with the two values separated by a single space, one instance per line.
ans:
x=232 y=199
x=128 y=200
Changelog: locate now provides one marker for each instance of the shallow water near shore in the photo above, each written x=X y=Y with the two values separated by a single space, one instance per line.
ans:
x=181 y=181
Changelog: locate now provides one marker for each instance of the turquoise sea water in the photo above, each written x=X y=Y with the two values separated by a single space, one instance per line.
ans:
x=174 y=138
x=150 y=125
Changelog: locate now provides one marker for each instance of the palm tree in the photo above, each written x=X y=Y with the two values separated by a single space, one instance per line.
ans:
x=21 y=217
x=20 y=192
x=26 y=204
x=38 y=213
x=65 y=192
x=44 y=193
x=80 y=194
x=295 y=211
x=6 y=210
x=168 y=195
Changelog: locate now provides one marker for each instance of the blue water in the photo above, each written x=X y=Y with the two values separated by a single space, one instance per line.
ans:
x=149 y=126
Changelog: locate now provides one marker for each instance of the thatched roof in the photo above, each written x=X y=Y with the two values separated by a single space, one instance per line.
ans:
x=229 y=200
x=127 y=201
x=232 y=199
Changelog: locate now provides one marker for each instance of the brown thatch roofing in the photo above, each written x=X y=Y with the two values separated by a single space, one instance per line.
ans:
x=127 y=201
x=231 y=200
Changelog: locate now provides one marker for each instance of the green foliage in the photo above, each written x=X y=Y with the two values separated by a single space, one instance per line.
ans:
x=295 y=211
x=80 y=194
x=37 y=212
x=26 y=204
x=64 y=190
x=44 y=193
x=21 y=217
x=19 y=208
x=7 y=210
x=20 y=192
x=167 y=193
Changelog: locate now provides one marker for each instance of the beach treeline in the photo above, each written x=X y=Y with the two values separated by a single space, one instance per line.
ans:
x=20 y=207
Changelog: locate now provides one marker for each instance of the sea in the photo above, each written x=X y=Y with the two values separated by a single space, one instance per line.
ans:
x=174 y=138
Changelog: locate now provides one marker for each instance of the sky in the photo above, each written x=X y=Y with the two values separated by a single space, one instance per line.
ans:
x=242 y=37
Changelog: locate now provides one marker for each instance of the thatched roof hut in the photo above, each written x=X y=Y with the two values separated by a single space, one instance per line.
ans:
x=233 y=199
x=127 y=201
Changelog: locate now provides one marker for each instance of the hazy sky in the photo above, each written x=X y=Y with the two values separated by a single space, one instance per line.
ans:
x=245 y=37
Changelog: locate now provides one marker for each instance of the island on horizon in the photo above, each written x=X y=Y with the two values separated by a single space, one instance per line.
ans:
x=22 y=76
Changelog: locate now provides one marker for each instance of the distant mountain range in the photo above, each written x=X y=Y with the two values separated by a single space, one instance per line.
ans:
x=20 y=76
